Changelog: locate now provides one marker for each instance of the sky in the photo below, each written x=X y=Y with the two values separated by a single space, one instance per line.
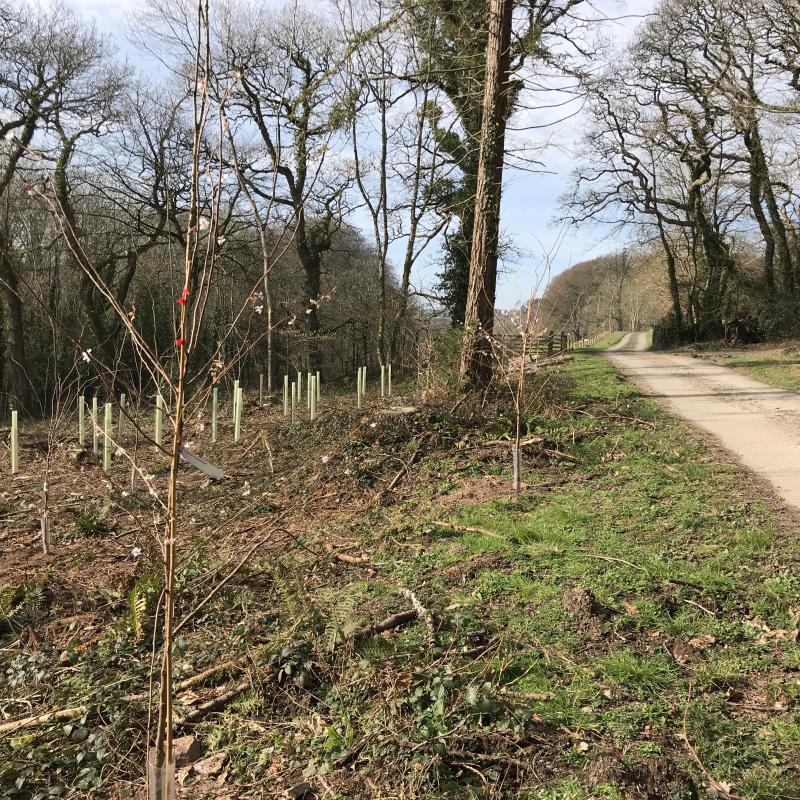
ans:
x=542 y=245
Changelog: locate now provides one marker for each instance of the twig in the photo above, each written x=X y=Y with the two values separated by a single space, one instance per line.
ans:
x=466 y=528
x=717 y=787
x=422 y=613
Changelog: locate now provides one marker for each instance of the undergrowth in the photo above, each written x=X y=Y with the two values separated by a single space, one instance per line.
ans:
x=624 y=628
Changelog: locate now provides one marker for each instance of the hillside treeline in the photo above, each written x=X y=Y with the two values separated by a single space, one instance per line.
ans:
x=692 y=140
x=622 y=291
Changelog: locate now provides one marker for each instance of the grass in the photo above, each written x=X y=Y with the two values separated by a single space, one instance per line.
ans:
x=775 y=364
x=681 y=655
x=680 y=559
x=608 y=340
x=775 y=367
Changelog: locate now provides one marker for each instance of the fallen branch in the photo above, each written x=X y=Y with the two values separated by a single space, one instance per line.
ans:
x=405 y=468
x=390 y=623
x=487 y=758
x=215 y=703
x=61 y=715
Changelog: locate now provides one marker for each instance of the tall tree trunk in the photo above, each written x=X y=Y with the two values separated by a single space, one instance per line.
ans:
x=780 y=239
x=761 y=218
x=20 y=388
x=476 y=354
x=672 y=274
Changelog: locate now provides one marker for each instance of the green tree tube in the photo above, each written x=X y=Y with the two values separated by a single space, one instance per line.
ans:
x=159 y=417
x=107 y=421
x=95 y=446
x=14 y=442
x=237 y=423
x=121 y=420
x=81 y=420
x=214 y=409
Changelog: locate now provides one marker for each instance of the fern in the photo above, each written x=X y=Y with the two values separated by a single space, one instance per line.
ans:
x=342 y=622
x=137 y=609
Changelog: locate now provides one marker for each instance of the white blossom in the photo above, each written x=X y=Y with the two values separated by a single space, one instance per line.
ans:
x=136 y=552
x=86 y=355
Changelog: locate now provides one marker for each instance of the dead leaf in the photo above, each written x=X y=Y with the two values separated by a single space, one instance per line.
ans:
x=702 y=642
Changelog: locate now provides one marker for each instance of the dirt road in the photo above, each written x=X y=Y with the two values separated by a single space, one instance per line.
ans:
x=758 y=423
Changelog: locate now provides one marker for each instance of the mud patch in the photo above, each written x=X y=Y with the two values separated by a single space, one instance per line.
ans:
x=589 y=614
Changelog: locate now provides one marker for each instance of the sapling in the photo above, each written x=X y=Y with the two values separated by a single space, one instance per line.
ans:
x=107 y=437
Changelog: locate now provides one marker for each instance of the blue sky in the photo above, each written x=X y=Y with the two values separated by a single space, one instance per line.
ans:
x=530 y=200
